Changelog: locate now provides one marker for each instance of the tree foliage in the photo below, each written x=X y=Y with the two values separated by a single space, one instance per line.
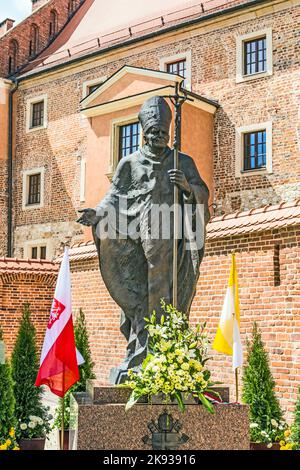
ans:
x=7 y=400
x=259 y=385
x=28 y=397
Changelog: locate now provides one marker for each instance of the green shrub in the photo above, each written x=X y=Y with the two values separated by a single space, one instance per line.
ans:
x=25 y=367
x=267 y=424
x=7 y=400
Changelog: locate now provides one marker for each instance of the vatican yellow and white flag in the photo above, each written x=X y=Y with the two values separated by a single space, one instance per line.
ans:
x=228 y=340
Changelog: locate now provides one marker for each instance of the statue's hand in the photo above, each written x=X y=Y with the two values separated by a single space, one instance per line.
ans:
x=178 y=177
x=88 y=217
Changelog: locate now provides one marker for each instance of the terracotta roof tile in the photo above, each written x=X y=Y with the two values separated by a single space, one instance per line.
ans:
x=17 y=265
x=255 y=220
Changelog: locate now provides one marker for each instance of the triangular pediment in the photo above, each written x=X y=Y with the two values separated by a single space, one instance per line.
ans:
x=129 y=82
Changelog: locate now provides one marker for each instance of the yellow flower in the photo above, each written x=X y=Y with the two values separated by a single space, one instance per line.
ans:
x=287 y=433
x=289 y=446
x=185 y=366
x=282 y=443
x=16 y=448
x=12 y=432
x=8 y=442
x=3 y=447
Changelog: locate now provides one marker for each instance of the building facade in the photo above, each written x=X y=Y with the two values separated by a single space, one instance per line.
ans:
x=71 y=73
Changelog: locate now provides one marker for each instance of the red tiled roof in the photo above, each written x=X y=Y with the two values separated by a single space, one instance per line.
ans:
x=94 y=28
x=17 y=265
x=255 y=220
x=281 y=215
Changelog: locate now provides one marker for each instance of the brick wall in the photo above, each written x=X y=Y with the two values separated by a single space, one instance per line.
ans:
x=22 y=32
x=269 y=294
x=60 y=146
x=17 y=289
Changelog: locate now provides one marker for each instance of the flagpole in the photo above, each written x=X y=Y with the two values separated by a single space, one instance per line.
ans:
x=63 y=414
x=236 y=385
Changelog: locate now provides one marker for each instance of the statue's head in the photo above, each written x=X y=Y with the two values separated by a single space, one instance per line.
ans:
x=155 y=117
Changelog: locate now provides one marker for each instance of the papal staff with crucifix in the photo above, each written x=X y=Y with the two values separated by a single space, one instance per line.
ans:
x=133 y=228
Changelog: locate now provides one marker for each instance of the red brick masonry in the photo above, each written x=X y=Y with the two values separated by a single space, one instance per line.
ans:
x=267 y=246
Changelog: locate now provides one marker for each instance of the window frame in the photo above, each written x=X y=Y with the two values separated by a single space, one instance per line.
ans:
x=29 y=113
x=239 y=153
x=89 y=83
x=120 y=138
x=115 y=140
x=240 y=55
x=25 y=188
x=39 y=243
x=187 y=56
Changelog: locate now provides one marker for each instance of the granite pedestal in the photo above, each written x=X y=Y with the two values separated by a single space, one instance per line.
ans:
x=99 y=421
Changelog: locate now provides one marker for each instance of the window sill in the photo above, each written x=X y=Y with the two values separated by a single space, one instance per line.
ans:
x=37 y=128
x=32 y=206
x=257 y=172
x=254 y=76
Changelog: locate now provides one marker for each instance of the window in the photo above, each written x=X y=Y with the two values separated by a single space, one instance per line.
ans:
x=90 y=86
x=36 y=117
x=178 y=68
x=254 y=149
x=34 y=189
x=179 y=64
x=34 y=40
x=254 y=55
x=125 y=138
x=53 y=24
x=129 y=139
x=38 y=252
x=13 y=57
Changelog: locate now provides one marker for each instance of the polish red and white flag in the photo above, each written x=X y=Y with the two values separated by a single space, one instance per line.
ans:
x=60 y=359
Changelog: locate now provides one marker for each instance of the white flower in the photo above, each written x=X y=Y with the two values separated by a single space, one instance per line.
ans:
x=39 y=421
x=253 y=425
x=269 y=445
x=263 y=433
x=32 y=425
x=274 y=423
x=23 y=426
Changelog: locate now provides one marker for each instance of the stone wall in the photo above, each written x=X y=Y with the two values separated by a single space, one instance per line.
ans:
x=269 y=294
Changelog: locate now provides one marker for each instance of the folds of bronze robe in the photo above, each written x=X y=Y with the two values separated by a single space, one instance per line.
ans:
x=137 y=269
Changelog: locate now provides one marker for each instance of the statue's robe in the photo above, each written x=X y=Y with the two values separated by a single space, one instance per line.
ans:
x=137 y=271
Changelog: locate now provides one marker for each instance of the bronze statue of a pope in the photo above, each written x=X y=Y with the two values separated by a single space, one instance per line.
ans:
x=135 y=244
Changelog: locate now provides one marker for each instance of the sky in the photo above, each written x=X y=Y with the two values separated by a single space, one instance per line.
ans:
x=14 y=9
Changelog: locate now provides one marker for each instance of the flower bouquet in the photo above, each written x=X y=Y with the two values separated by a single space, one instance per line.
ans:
x=176 y=363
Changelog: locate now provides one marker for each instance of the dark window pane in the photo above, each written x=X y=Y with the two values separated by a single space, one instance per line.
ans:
x=254 y=150
x=178 y=68
x=37 y=118
x=43 y=252
x=129 y=136
x=34 y=252
x=255 y=58
x=34 y=190
x=92 y=88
